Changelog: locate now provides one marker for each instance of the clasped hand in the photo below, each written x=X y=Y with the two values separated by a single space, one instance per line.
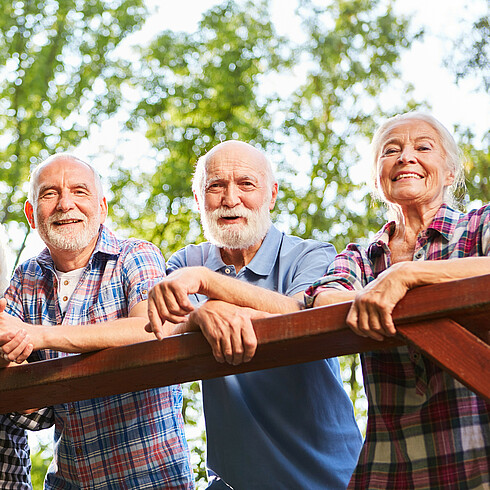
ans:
x=15 y=343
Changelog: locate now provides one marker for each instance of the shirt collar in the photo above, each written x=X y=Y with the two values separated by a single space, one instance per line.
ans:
x=444 y=222
x=262 y=262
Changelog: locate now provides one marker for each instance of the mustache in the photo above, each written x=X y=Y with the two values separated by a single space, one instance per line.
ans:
x=60 y=216
x=231 y=213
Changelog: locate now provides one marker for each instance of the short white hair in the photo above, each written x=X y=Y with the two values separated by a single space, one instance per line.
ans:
x=199 y=177
x=31 y=193
x=454 y=157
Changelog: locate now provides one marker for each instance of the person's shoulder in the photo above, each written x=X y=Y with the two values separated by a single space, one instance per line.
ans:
x=292 y=242
x=190 y=255
x=32 y=264
x=111 y=243
x=481 y=213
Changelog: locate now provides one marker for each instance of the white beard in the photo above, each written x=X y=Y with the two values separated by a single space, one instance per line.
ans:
x=236 y=236
x=69 y=242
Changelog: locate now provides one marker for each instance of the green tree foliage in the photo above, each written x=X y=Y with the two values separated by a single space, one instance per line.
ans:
x=58 y=74
x=470 y=57
x=197 y=89
x=477 y=165
x=471 y=52
x=352 y=47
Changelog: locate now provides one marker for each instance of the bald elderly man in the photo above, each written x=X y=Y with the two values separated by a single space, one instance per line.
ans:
x=82 y=293
x=289 y=427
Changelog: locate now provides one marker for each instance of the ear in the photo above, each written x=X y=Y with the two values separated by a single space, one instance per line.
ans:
x=275 y=190
x=29 y=212
x=103 y=210
x=449 y=179
x=197 y=202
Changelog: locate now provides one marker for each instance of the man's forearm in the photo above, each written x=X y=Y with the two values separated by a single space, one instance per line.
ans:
x=240 y=293
x=86 y=338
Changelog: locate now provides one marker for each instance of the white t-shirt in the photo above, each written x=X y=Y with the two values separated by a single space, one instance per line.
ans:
x=67 y=282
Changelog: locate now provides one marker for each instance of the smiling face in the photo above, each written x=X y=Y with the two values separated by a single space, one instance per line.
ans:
x=411 y=166
x=67 y=209
x=238 y=196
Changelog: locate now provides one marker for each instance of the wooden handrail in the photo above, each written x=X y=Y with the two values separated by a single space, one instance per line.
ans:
x=283 y=339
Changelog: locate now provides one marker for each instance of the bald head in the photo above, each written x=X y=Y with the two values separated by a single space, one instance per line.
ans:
x=59 y=158
x=232 y=153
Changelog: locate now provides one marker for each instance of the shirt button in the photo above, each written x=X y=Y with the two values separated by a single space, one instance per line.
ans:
x=72 y=409
x=65 y=298
x=79 y=451
x=66 y=283
x=145 y=291
x=419 y=255
x=228 y=270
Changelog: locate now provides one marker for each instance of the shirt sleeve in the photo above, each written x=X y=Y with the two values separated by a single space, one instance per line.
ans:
x=347 y=271
x=176 y=261
x=143 y=267
x=312 y=261
x=13 y=295
x=39 y=420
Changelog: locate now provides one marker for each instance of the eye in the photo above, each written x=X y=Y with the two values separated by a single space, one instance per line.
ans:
x=424 y=148
x=390 y=150
x=47 y=194
x=214 y=186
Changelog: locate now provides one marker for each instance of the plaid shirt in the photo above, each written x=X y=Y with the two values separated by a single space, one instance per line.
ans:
x=133 y=440
x=15 y=464
x=425 y=430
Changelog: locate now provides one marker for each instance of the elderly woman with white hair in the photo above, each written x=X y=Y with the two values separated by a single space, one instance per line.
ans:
x=425 y=429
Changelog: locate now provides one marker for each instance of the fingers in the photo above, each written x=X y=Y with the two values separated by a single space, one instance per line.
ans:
x=18 y=349
x=228 y=330
x=249 y=342
x=371 y=317
x=165 y=303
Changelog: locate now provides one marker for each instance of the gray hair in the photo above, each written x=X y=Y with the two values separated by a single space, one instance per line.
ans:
x=31 y=193
x=199 y=177
x=453 y=154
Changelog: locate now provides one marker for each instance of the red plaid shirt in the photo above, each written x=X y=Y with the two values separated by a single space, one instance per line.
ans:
x=425 y=429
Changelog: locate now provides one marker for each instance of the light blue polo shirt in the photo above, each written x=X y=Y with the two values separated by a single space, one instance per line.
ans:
x=290 y=427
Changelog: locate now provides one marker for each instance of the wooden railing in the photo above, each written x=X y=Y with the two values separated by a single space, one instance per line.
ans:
x=449 y=322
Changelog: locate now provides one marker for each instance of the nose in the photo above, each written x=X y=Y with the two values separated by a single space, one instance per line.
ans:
x=65 y=202
x=407 y=155
x=231 y=196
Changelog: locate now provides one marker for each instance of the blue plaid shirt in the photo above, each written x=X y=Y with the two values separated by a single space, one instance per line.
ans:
x=133 y=440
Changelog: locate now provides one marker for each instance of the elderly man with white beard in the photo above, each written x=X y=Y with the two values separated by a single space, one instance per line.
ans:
x=84 y=292
x=289 y=427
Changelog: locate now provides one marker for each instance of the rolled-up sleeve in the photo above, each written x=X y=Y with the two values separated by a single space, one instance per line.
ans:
x=347 y=271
